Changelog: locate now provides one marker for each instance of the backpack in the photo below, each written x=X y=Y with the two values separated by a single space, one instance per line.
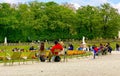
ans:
x=42 y=59
x=57 y=59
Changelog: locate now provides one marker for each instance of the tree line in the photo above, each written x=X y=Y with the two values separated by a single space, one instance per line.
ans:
x=51 y=21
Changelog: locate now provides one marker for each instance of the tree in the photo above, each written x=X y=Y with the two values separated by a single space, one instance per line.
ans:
x=88 y=21
x=109 y=21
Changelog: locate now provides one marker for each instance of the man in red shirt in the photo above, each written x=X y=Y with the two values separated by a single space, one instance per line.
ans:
x=57 y=46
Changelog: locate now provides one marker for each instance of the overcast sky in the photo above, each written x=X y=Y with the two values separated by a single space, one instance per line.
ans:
x=77 y=3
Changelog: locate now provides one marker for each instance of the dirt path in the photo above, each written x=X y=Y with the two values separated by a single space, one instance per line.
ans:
x=108 y=65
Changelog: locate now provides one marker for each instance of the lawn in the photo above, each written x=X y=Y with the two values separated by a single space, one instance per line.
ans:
x=75 y=43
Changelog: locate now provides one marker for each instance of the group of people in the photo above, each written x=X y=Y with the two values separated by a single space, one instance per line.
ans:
x=103 y=49
x=58 y=46
x=17 y=50
x=81 y=47
x=51 y=53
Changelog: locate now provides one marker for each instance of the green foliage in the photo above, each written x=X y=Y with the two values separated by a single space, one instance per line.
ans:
x=51 y=21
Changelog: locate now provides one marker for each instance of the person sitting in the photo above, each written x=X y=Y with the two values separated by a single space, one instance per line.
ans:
x=109 y=48
x=22 y=50
x=101 y=48
x=42 y=52
x=31 y=48
x=81 y=47
x=70 y=47
x=15 y=50
x=57 y=46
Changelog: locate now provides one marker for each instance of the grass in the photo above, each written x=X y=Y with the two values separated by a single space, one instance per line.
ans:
x=76 y=44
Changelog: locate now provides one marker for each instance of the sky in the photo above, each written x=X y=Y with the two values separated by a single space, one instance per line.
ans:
x=77 y=3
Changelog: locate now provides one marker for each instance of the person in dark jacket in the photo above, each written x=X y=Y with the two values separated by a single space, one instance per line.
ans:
x=70 y=47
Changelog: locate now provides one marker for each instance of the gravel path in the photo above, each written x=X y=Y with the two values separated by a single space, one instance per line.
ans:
x=108 y=65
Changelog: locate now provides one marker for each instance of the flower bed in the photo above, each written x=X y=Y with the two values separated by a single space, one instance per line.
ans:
x=75 y=52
